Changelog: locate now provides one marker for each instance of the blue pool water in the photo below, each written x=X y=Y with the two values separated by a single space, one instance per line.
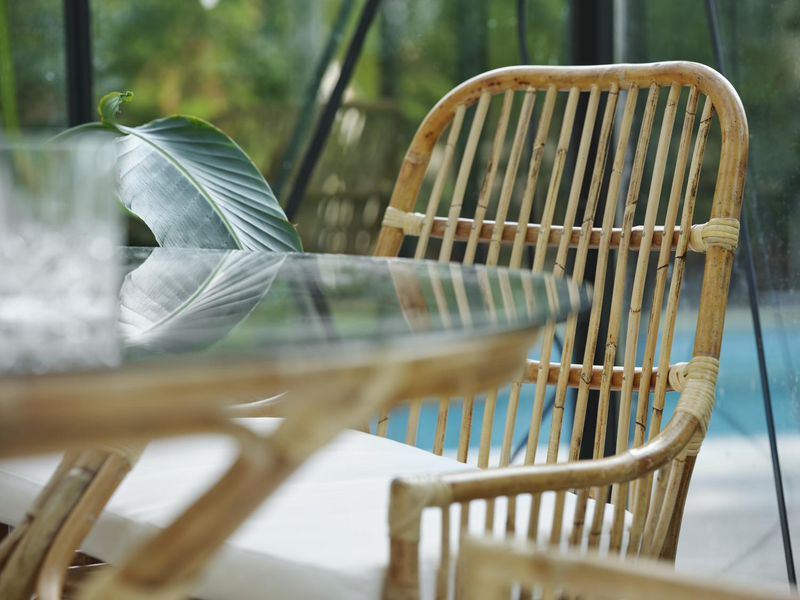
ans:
x=739 y=406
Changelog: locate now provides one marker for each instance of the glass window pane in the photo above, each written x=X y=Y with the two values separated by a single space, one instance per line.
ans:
x=731 y=520
x=36 y=44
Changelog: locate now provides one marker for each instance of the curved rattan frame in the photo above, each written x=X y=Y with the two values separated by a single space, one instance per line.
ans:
x=671 y=452
x=490 y=569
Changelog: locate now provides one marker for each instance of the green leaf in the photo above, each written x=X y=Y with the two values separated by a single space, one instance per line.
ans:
x=195 y=188
x=93 y=128
x=110 y=104
x=169 y=304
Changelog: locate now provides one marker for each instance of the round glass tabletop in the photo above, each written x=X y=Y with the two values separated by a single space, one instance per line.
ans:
x=196 y=330
x=235 y=302
x=227 y=304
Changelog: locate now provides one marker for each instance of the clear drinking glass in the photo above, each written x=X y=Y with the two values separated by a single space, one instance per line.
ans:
x=60 y=224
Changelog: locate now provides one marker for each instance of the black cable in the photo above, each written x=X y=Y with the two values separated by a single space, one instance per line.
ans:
x=78 y=43
x=752 y=292
x=325 y=122
x=307 y=108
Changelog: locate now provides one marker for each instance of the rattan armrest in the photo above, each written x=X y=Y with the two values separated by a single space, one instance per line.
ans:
x=411 y=495
x=442 y=490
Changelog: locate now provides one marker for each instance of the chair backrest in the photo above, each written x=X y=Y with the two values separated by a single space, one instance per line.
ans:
x=582 y=209
x=490 y=569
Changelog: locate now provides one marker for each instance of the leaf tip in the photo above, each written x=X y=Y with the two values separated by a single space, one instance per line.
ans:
x=110 y=104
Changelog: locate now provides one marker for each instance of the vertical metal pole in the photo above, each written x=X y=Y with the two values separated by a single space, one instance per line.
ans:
x=307 y=108
x=325 y=122
x=78 y=41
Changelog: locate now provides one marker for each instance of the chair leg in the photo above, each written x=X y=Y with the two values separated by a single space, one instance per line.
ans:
x=77 y=574
x=670 y=547
x=61 y=553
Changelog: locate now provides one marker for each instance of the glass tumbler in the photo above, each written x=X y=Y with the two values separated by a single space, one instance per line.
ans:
x=60 y=225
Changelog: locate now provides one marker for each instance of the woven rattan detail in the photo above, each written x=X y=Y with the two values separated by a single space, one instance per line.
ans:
x=697 y=398
x=717 y=232
x=410 y=223
x=408 y=504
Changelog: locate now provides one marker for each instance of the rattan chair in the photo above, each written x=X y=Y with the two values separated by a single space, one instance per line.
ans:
x=588 y=225
x=492 y=570
x=669 y=453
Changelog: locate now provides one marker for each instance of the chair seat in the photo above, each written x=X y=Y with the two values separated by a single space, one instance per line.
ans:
x=323 y=534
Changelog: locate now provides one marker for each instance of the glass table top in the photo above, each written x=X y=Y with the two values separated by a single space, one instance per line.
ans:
x=228 y=304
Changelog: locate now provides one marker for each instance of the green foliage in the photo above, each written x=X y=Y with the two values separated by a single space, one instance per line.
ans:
x=171 y=305
x=192 y=185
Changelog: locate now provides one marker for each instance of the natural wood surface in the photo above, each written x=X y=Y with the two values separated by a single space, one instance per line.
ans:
x=649 y=192
x=49 y=413
x=490 y=568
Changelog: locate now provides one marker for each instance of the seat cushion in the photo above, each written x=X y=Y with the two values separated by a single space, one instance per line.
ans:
x=323 y=534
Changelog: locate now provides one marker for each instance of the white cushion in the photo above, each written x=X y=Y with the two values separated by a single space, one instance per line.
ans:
x=323 y=534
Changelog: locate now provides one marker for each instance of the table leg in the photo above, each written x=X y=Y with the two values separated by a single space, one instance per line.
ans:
x=165 y=567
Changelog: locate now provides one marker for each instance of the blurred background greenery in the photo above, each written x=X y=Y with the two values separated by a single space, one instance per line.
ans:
x=249 y=66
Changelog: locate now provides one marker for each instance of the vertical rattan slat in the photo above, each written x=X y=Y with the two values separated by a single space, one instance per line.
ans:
x=656 y=504
x=680 y=265
x=559 y=267
x=414 y=410
x=510 y=176
x=615 y=180
x=468 y=402
x=580 y=260
x=441 y=178
x=619 y=496
x=569 y=333
x=538 y=264
x=443 y=573
x=642 y=489
x=454 y=213
x=484 y=199
x=653 y=549
x=491 y=397
x=444 y=313
x=618 y=290
x=650 y=543
x=464 y=170
x=537 y=154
